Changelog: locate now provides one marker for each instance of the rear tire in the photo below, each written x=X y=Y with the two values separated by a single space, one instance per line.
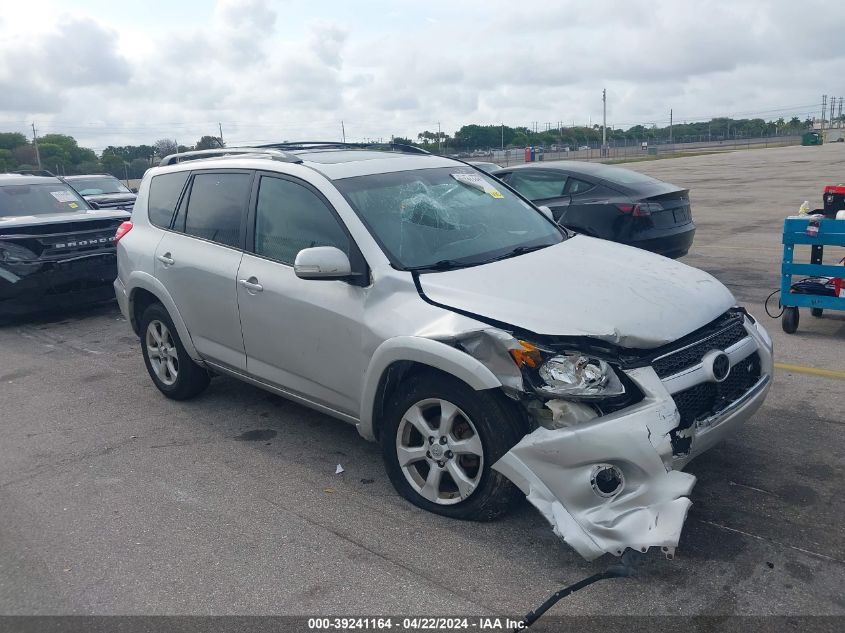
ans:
x=174 y=373
x=447 y=436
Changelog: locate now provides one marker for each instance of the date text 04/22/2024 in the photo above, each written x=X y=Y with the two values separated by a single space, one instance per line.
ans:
x=420 y=623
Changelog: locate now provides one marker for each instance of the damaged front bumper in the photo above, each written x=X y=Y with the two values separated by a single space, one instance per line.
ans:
x=643 y=500
x=38 y=284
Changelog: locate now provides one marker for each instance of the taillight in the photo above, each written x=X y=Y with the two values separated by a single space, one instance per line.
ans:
x=640 y=209
x=122 y=230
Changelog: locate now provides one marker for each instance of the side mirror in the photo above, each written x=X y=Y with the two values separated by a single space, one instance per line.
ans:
x=547 y=212
x=133 y=189
x=93 y=205
x=322 y=262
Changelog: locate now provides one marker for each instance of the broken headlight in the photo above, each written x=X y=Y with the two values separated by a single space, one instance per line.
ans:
x=572 y=375
x=578 y=376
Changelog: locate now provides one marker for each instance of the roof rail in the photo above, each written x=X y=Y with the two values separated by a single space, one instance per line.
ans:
x=263 y=152
x=305 y=145
x=34 y=172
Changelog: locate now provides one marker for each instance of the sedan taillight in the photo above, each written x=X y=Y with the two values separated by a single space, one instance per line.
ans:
x=640 y=209
x=122 y=230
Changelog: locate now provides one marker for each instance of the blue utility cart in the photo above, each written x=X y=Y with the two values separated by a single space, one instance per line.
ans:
x=818 y=234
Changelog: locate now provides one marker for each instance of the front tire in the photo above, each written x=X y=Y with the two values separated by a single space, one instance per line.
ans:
x=789 y=320
x=175 y=374
x=439 y=440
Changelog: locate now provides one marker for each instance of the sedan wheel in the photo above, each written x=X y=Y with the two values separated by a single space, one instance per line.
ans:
x=439 y=451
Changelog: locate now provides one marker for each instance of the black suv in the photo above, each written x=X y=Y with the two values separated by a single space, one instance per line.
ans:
x=55 y=250
x=104 y=190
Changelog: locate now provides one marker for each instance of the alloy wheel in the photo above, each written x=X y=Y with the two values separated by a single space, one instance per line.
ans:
x=161 y=350
x=439 y=451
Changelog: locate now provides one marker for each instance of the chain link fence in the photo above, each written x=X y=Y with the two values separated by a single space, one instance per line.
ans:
x=623 y=151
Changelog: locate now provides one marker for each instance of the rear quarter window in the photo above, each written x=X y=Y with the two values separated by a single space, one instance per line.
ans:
x=165 y=191
x=574 y=186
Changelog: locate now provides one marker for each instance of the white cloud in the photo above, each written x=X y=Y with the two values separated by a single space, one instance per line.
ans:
x=272 y=70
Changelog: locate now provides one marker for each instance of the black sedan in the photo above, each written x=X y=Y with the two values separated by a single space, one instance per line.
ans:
x=609 y=202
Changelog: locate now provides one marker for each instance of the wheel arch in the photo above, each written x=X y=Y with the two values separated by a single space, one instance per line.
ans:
x=395 y=359
x=144 y=289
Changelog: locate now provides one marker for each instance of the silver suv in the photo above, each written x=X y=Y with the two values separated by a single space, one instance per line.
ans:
x=487 y=349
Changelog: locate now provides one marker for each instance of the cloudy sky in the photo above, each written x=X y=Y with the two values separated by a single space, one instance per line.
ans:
x=115 y=73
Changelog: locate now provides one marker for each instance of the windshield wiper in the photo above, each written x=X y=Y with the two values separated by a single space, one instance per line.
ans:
x=443 y=264
x=519 y=250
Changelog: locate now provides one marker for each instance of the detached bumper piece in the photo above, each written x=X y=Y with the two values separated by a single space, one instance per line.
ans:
x=605 y=486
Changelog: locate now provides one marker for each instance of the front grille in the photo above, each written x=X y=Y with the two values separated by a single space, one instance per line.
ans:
x=709 y=398
x=721 y=339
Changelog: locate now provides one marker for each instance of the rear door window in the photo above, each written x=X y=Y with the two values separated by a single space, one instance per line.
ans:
x=290 y=217
x=217 y=205
x=165 y=191
x=538 y=185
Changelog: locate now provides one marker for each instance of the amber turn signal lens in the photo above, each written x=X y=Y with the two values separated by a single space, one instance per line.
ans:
x=526 y=354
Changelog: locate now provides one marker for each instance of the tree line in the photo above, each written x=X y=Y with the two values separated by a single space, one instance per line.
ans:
x=61 y=154
x=475 y=137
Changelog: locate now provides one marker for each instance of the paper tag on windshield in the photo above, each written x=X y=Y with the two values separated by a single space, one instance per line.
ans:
x=63 y=196
x=477 y=182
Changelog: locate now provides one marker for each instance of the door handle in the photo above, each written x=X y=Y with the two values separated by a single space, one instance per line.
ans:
x=251 y=284
x=166 y=259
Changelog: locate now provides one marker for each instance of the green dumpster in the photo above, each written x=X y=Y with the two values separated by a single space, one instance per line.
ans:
x=811 y=138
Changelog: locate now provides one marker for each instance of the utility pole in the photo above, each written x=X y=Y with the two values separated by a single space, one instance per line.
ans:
x=438 y=137
x=604 y=122
x=220 y=127
x=35 y=143
x=824 y=111
x=503 y=132
x=832 y=110
x=670 y=126
x=343 y=130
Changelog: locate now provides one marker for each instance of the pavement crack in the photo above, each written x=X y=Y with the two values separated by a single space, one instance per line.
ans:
x=772 y=541
x=747 y=487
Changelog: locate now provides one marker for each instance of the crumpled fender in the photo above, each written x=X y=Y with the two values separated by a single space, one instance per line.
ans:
x=554 y=468
x=427 y=352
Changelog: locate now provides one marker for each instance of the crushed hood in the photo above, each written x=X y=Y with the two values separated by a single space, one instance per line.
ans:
x=587 y=287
